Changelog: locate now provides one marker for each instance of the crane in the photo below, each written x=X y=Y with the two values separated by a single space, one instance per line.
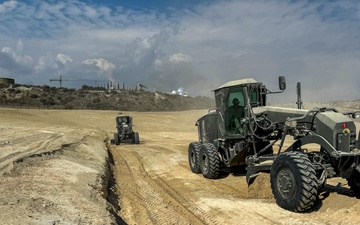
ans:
x=60 y=80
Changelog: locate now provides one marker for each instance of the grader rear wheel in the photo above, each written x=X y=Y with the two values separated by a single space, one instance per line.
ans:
x=209 y=161
x=194 y=157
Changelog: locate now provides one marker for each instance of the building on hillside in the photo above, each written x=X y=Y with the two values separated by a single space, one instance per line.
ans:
x=4 y=80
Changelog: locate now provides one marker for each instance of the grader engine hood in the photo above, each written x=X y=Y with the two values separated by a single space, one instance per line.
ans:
x=338 y=129
x=279 y=114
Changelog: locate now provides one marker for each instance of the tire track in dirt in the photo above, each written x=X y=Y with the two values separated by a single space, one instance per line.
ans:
x=161 y=203
x=161 y=176
x=141 y=194
x=44 y=141
x=164 y=174
x=189 y=208
x=133 y=192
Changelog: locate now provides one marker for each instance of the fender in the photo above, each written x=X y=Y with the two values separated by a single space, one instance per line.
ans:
x=314 y=139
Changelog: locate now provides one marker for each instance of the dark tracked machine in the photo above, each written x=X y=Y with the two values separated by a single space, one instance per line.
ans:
x=243 y=130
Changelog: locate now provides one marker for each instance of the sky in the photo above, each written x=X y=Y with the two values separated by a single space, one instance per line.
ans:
x=194 y=44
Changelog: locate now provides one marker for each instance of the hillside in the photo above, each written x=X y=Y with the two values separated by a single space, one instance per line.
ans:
x=355 y=104
x=45 y=97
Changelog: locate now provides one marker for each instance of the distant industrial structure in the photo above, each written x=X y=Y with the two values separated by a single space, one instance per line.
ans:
x=61 y=80
x=4 y=80
x=106 y=84
x=180 y=91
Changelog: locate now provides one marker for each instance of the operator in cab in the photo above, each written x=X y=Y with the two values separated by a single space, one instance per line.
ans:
x=235 y=112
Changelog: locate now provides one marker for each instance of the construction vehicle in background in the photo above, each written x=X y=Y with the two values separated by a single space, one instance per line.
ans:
x=125 y=132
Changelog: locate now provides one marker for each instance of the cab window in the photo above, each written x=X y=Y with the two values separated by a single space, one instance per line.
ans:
x=235 y=111
x=236 y=93
x=219 y=100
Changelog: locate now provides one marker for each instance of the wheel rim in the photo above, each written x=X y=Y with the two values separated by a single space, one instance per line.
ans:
x=205 y=164
x=286 y=183
x=193 y=158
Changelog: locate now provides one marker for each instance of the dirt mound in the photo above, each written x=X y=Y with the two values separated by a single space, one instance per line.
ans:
x=261 y=188
x=52 y=175
x=46 y=97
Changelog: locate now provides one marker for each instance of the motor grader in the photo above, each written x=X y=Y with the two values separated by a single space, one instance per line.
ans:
x=125 y=132
x=228 y=139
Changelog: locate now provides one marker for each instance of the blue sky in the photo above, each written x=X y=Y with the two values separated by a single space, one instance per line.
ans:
x=198 y=45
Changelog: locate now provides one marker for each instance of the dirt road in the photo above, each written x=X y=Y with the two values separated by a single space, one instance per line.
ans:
x=54 y=167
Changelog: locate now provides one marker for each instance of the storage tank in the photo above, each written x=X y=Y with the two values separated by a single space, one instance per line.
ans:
x=7 y=80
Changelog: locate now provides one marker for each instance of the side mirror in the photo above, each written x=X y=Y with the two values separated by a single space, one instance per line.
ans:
x=282 y=83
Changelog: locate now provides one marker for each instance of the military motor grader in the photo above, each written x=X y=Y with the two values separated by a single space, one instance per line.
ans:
x=125 y=132
x=228 y=139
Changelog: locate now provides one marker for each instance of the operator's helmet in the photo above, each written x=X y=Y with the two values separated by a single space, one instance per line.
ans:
x=235 y=101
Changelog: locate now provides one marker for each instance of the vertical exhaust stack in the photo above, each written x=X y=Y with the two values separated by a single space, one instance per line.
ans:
x=299 y=101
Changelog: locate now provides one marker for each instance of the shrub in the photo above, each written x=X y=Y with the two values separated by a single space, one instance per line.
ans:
x=49 y=102
x=96 y=100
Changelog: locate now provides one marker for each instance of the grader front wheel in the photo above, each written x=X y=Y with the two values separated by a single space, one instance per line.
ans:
x=116 y=139
x=293 y=181
x=136 y=138
x=354 y=183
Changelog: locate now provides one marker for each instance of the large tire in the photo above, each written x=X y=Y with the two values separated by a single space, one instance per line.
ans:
x=354 y=183
x=116 y=139
x=136 y=138
x=209 y=161
x=293 y=181
x=194 y=157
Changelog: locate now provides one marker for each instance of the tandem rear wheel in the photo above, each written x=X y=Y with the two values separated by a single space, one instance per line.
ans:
x=209 y=161
x=204 y=159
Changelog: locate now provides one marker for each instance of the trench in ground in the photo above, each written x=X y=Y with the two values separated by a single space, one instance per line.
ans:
x=109 y=188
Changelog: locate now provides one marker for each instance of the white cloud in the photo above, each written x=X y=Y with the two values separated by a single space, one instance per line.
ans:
x=158 y=64
x=18 y=55
x=106 y=68
x=101 y=63
x=64 y=58
x=41 y=65
x=90 y=12
x=179 y=58
x=8 y=6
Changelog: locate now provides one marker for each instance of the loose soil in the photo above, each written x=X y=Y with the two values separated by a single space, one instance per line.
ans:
x=58 y=167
